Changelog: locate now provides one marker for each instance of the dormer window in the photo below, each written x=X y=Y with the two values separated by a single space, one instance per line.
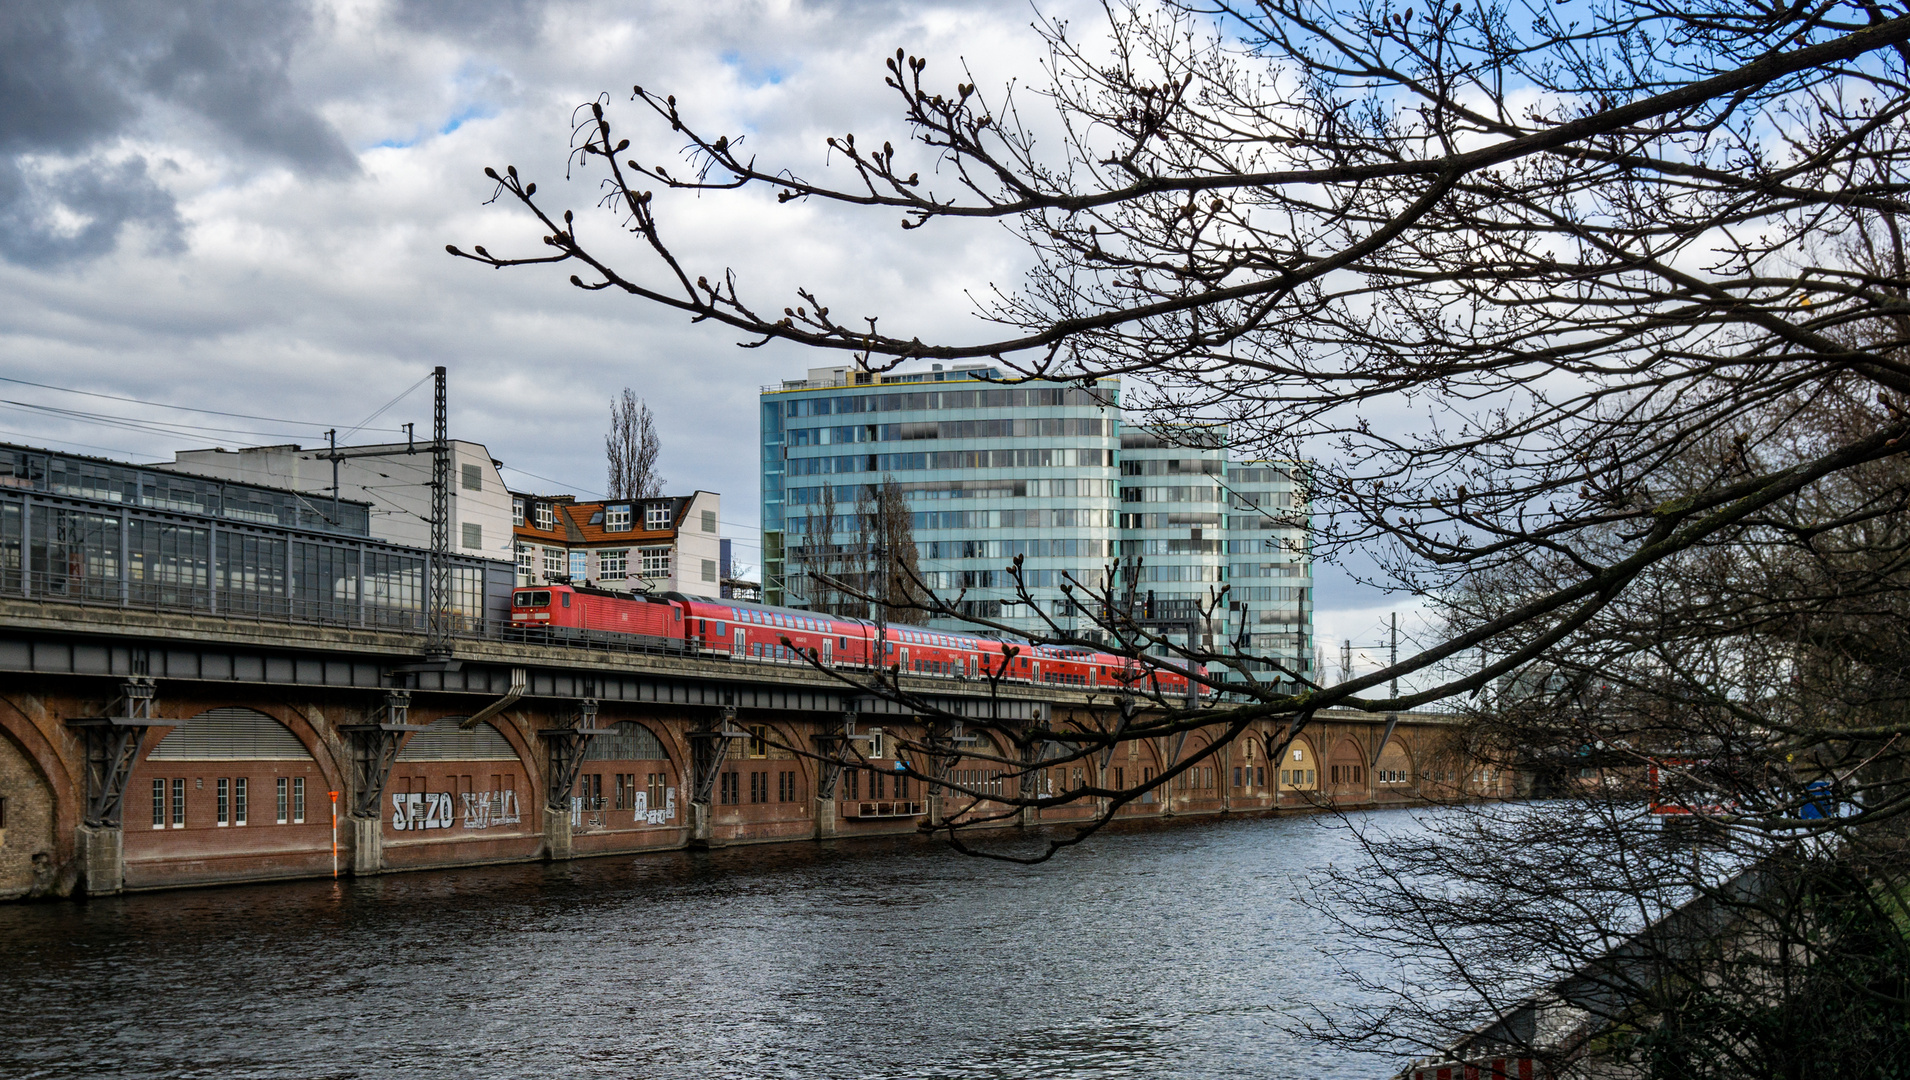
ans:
x=617 y=519
x=517 y=511
x=656 y=516
x=545 y=518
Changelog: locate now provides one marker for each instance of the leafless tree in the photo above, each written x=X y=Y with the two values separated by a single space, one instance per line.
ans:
x=906 y=599
x=631 y=449
x=1592 y=319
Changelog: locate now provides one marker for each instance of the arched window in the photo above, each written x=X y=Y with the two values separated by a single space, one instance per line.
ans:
x=444 y=740
x=230 y=734
x=626 y=742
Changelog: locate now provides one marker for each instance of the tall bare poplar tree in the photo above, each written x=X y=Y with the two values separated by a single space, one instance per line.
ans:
x=908 y=602
x=631 y=448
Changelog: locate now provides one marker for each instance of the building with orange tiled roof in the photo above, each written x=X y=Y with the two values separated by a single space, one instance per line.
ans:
x=663 y=544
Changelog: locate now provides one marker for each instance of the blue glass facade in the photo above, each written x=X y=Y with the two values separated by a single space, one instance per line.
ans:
x=1043 y=470
x=990 y=472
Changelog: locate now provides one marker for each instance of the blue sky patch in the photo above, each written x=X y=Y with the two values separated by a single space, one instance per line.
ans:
x=754 y=74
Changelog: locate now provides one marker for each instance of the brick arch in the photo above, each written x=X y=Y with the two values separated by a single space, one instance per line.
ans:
x=1313 y=761
x=513 y=735
x=656 y=730
x=786 y=732
x=671 y=731
x=1347 y=754
x=1396 y=750
x=293 y=720
x=19 y=729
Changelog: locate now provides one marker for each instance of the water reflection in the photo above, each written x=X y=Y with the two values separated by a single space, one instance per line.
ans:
x=1161 y=952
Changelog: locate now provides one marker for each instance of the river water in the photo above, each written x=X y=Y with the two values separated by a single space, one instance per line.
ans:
x=1170 y=951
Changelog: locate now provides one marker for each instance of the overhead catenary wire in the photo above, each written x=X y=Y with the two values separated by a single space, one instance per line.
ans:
x=382 y=409
x=157 y=427
x=69 y=442
x=191 y=408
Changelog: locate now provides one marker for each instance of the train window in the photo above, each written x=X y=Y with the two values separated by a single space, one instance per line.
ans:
x=522 y=599
x=842 y=643
x=566 y=599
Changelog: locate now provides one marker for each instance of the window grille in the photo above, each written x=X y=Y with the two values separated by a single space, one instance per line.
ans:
x=656 y=516
x=617 y=519
x=626 y=742
x=229 y=734
x=444 y=740
x=613 y=564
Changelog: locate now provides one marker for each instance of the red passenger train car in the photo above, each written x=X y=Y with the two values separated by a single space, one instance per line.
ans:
x=691 y=625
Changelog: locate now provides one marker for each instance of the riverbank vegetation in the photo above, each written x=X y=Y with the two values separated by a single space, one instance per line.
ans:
x=1590 y=322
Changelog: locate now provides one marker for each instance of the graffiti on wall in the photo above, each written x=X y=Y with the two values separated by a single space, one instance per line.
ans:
x=656 y=815
x=594 y=817
x=483 y=809
x=418 y=810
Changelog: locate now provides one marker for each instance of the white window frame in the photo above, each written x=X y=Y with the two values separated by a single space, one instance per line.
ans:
x=613 y=563
x=517 y=511
x=526 y=563
x=617 y=518
x=554 y=563
x=655 y=562
x=546 y=517
x=656 y=516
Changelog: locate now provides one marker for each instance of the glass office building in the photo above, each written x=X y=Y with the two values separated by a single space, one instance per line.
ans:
x=1044 y=470
x=1173 y=525
x=989 y=471
x=1269 y=565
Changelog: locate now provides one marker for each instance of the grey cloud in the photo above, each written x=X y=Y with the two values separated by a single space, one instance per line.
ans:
x=226 y=60
x=75 y=77
x=517 y=21
x=100 y=198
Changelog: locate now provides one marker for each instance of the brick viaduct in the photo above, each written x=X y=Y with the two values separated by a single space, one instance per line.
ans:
x=143 y=750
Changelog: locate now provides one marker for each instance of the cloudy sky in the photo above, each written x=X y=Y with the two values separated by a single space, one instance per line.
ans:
x=242 y=206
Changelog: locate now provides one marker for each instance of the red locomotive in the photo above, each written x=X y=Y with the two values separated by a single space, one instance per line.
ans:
x=674 y=622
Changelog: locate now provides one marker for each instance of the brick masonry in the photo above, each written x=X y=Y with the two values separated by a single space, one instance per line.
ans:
x=447 y=813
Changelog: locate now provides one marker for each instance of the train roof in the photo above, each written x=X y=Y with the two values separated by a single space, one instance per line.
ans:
x=804 y=613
